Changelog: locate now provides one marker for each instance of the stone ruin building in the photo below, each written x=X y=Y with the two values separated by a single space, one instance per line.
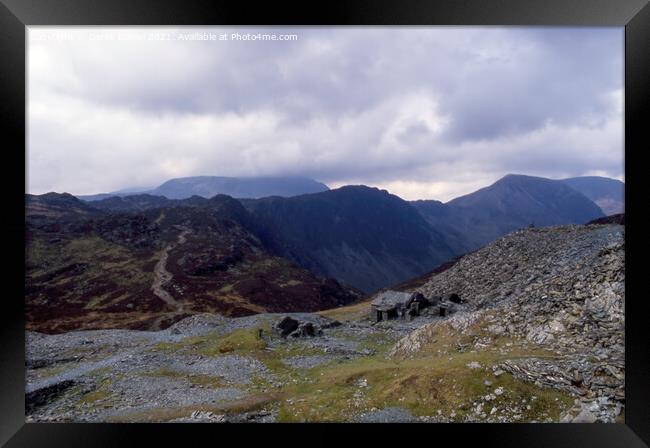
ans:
x=401 y=305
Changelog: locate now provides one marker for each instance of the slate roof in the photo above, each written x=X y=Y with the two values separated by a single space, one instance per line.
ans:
x=388 y=300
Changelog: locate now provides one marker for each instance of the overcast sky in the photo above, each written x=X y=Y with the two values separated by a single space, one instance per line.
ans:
x=424 y=112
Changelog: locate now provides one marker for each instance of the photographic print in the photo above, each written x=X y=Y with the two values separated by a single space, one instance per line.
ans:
x=325 y=224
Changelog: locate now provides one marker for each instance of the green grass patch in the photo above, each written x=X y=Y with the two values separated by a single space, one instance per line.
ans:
x=423 y=386
x=379 y=343
x=357 y=311
x=101 y=393
x=165 y=372
x=247 y=339
x=94 y=396
x=52 y=370
x=214 y=344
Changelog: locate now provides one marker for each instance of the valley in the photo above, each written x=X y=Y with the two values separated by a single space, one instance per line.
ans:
x=143 y=261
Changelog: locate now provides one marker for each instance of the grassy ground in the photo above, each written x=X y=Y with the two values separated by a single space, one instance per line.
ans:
x=436 y=382
x=241 y=341
x=348 y=313
x=246 y=404
x=447 y=377
x=424 y=386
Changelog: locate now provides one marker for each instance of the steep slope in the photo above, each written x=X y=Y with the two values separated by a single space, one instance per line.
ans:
x=513 y=202
x=562 y=288
x=608 y=194
x=446 y=220
x=362 y=236
x=148 y=269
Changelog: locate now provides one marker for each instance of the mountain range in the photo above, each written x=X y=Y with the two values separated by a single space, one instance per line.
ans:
x=150 y=267
x=237 y=187
x=513 y=202
x=117 y=261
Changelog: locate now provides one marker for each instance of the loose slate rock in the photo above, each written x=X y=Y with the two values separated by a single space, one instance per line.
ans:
x=387 y=415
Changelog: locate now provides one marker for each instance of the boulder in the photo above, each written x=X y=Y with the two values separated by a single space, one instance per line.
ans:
x=306 y=329
x=287 y=325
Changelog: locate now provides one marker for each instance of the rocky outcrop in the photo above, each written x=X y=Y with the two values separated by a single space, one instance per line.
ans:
x=562 y=288
x=611 y=219
x=40 y=397
x=309 y=327
x=563 y=285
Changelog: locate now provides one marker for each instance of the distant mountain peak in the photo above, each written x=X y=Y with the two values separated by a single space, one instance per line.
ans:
x=518 y=178
x=237 y=187
x=361 y=189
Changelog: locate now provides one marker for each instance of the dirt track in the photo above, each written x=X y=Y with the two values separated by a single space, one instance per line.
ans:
x=162 y=277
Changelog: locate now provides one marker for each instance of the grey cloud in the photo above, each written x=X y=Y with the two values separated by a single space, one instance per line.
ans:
x=378 y=105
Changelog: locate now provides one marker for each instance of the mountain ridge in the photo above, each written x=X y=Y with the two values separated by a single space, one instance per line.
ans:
x=238 y=187
x=362 y=236
x=510 y=203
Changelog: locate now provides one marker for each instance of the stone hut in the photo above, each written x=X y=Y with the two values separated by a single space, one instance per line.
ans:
x=395 y=304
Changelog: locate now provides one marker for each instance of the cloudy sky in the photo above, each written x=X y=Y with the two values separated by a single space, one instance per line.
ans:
x=424 y=112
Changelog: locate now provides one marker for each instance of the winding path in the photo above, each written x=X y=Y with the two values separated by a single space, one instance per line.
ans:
x=162 y=277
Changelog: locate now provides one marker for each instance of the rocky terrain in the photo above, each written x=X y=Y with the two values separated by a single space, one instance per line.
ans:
x=150 y=267
x=537 y=337
x=563 y=288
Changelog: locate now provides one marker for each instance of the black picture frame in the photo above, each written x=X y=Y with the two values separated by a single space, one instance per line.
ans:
x=15 y=15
